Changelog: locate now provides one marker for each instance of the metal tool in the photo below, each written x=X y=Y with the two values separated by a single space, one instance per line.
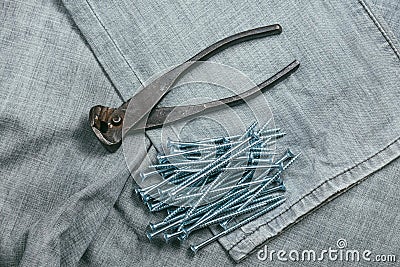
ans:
x=107 y=122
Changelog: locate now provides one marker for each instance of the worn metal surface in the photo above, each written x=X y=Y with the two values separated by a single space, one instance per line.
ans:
x=107 y=122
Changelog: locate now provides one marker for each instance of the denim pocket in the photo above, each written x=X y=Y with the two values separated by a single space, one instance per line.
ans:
x=340 y=109
x=346 y=158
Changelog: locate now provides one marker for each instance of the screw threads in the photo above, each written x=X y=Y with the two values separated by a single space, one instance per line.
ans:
x=212 y=181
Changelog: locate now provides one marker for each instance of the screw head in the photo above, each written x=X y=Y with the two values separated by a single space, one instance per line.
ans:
x=152 y=227
x=194 y=248
x=149 y=236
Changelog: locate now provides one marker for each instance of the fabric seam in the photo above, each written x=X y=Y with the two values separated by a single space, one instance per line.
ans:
x=388 y=40
x=113 y=41
x=397 y=53
x=119 y=52
x=309 y=193
x=380 y=27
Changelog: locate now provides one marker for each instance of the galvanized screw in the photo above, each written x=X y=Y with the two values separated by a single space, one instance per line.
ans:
x=207 y=176
x=196 y=248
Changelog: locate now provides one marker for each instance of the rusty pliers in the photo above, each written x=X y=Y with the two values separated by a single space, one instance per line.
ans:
x=107 y=122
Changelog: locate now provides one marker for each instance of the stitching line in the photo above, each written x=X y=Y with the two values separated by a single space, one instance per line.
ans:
x=397 y=53
x=379 y=26
x=387 y=38
x=312 y=191
x=112 y=40
x=120 y=52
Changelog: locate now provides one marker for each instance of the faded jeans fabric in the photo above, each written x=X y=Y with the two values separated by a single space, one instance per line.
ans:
x=64 y=200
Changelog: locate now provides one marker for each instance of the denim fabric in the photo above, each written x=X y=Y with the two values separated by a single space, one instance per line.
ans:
x=388 y=11
x=364 y=216
x=340 y=109
x=57 y=183
x=64 y=200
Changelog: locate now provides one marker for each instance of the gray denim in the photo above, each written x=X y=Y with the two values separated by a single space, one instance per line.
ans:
x=64 y=200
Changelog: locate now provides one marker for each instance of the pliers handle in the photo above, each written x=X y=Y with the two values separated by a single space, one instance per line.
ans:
x=106 y=122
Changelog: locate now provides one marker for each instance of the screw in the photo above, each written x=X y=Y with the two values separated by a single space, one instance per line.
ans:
x=229 y=203
x=204 y=149
x=266 y=194
x=217 y=140
x=183 y=233
x=157 y=206
x=249 y=131
x=190 y=163
x=185 y=145
x=264 y=126
x=170 y=179
x=247 y=196
x=164 y=172
x=220 y=190
x=251 y=208
x=214 y=141
x=174 y=213
x=235 y=168
x=151 y=235
x=194 y=145
x=215 y=206
x=196 y=248
x=214 y=184
x=230 y=138
x=200 y=154
x=228 y=215
x=216 y=192
x=257 y=161
x=179 y=220
x=241 y=185
x=206 y=176
x=214 y=166
x=178 y=234
x=288 y=155
x=175 y=221
x=214 y=148
x=261 y=150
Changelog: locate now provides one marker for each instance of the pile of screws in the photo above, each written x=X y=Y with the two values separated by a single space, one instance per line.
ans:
x=216 y=182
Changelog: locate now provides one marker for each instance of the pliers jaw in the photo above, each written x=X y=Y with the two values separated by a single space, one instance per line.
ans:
x=106 y=123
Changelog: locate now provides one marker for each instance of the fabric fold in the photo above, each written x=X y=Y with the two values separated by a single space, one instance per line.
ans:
x=340 y=109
